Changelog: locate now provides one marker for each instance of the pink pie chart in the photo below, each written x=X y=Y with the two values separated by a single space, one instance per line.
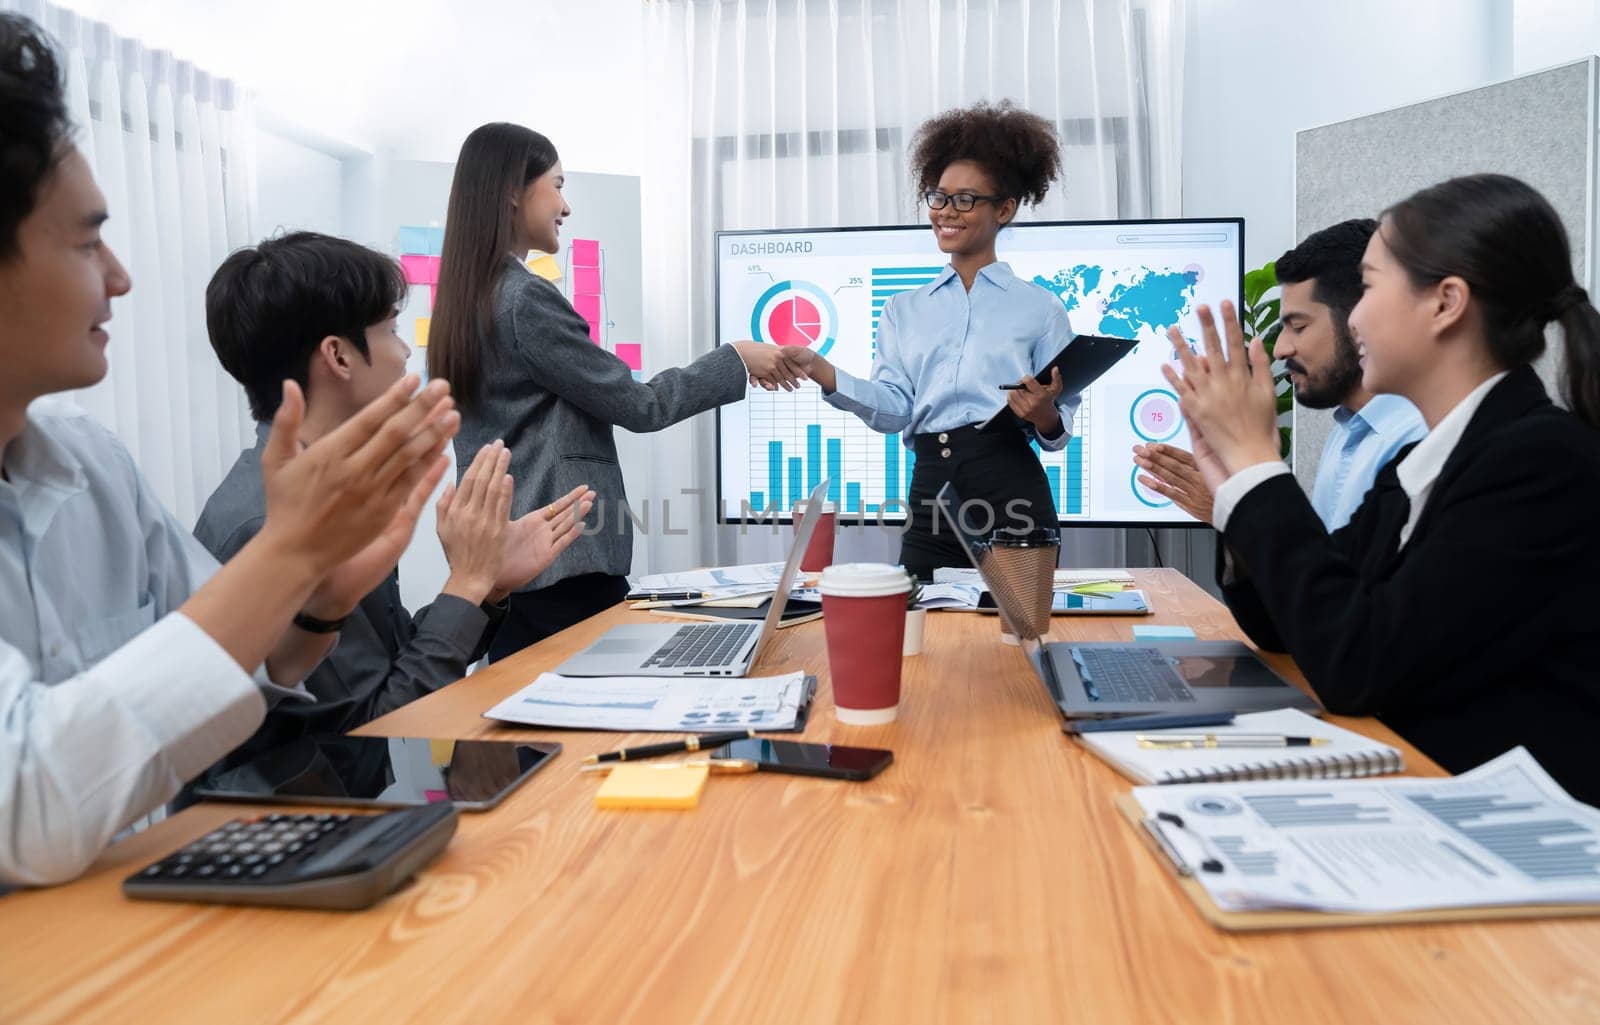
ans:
x=795 y=321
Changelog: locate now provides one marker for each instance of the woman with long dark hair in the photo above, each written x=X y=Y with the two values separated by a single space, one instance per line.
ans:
x=1403 y=613
x=523 y=369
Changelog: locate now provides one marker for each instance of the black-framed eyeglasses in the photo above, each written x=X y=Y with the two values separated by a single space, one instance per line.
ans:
x=962 y=201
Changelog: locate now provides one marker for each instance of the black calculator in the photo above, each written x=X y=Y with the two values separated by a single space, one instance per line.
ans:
x=324 y=860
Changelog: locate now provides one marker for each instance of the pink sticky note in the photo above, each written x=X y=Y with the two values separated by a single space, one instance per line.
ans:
x=417 y=270
x=585 y=252
x=588 y=306
x=586 y=281
x=433 y=295
x=631 y=353
x=594 y=331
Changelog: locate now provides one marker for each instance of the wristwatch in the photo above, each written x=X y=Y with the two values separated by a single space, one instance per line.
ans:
x=313 y=625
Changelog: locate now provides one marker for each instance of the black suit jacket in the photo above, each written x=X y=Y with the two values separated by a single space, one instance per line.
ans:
x=1481 y=633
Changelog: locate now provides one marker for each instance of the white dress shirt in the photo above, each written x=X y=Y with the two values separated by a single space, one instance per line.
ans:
x=1417 y=472
x=109 y=699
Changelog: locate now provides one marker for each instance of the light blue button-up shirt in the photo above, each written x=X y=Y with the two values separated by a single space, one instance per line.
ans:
x=944 y=352
x=1357 y=448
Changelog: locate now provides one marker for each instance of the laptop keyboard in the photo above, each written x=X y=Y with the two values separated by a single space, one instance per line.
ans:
x=709 y=645
x=1129 y=675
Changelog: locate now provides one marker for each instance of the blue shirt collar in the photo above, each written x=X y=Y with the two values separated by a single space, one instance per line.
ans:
x=997 y=273
x=1383 y=413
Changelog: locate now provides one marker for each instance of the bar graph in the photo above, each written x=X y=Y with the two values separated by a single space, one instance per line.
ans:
x=888 y=282
x=798 y=440
x=1532 y=836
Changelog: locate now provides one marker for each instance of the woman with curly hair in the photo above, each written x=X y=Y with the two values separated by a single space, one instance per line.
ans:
x=944 y=350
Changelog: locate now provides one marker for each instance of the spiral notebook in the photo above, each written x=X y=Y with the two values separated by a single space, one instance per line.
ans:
x=1347 y=755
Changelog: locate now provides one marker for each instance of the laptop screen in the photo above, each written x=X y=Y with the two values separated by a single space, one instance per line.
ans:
x=797 y=550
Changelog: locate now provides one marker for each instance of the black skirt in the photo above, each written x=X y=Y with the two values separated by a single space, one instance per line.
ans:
x=1001 y=484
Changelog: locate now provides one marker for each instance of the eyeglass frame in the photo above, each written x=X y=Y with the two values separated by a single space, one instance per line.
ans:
x=951 y=197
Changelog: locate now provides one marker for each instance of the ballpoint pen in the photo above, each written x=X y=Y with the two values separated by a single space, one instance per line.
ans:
x=629 y=754
x=718 y=766
x=1183 y=741
x=680 y=595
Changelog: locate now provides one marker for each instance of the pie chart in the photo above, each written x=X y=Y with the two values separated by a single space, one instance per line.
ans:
x=795 y=313
x=794 y=321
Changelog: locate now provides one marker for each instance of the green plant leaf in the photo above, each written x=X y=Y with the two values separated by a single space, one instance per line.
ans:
x=1284 y=448
x=1267 y=314
x=1259 y=282
x=1286 y=401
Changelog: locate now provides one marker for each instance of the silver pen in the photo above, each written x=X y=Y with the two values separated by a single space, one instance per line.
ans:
x=1185 y=741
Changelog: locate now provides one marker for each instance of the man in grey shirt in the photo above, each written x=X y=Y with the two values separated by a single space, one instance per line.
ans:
x=321 y=311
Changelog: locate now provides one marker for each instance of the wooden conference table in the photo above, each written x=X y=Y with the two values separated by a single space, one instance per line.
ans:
x=984 y=877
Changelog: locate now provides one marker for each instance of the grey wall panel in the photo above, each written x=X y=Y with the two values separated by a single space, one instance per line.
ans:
x=1539 y=128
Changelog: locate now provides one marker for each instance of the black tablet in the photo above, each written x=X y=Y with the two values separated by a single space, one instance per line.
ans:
x=382 y=772
x=1084 y=359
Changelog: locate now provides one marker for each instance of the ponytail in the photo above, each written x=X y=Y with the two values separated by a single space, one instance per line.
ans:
x=1580 y=324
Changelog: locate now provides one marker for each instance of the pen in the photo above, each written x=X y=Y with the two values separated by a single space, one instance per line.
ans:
x=1011 y=387
x=1198 y=740
x=718 y=766
x=666 y=595
x=629 y=754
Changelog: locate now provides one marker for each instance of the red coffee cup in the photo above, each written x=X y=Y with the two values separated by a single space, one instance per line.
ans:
x=819 y=552
x=864 y=616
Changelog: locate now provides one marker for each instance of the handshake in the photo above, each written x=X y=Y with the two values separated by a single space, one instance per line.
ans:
x=784 y=366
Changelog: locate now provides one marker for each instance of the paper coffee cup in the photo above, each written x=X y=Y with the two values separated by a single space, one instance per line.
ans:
x=819 y=552
x=1022 y=564
x=864 y=618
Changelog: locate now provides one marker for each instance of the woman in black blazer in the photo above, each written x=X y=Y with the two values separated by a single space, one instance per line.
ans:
x=1457 y=605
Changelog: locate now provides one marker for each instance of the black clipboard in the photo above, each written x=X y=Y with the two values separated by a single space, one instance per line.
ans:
x=1081 y=362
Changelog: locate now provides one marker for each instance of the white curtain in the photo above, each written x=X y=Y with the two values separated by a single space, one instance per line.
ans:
x=798 y=113
x=173 y=150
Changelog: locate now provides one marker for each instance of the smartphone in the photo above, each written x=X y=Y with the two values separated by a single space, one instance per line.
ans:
x=827 y=760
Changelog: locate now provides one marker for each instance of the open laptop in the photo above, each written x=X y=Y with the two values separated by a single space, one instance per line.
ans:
x=1167 y=678
x=697 y=649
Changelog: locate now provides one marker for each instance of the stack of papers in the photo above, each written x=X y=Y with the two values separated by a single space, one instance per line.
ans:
x=1503 y=834
x=756 y=574
x=630 y=704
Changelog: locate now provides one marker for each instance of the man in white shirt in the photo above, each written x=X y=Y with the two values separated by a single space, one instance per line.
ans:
x=126 y=653
x=1321 y=283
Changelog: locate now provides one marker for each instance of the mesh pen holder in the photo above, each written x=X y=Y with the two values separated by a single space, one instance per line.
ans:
x=1020 y=565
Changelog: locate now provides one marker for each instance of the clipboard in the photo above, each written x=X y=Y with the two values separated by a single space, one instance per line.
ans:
x=1257 y=921
x=1081 y=362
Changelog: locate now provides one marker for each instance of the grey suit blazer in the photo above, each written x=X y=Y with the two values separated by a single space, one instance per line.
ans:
x=555 y=397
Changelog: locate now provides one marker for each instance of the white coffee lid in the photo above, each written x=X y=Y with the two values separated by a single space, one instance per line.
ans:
x=864 y=580
x=827 y=507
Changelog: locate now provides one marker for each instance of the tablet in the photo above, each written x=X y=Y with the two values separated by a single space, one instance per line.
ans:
x=1081 y=363
x=382 y=772
x=1070 y=603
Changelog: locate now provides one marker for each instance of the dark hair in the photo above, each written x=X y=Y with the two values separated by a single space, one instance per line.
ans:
x=1505 y=241
x=1016 y=148
x=268 y=308
x=35 y=131
x=1331 y=260
x=496 y=161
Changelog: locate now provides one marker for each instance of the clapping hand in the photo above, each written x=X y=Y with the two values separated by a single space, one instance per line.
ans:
x=1173 y=472
x=1227 y=397
x=532 y=542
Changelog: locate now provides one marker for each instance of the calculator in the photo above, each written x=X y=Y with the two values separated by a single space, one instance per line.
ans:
x=326 y=860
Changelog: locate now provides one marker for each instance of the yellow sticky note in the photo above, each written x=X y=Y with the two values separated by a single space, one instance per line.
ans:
x=422 y=332
x=441 y=751
x=544 y=265
x=643 y=785
x=1109 y=587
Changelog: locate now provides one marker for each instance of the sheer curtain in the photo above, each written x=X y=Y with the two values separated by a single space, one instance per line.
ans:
x=798 y=113
x=173 y=150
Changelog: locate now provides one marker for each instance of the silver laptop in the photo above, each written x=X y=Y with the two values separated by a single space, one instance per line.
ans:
x=696 y=649
x=1167 y=678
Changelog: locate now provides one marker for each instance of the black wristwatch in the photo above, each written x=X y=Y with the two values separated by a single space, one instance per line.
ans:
x=313 y=625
